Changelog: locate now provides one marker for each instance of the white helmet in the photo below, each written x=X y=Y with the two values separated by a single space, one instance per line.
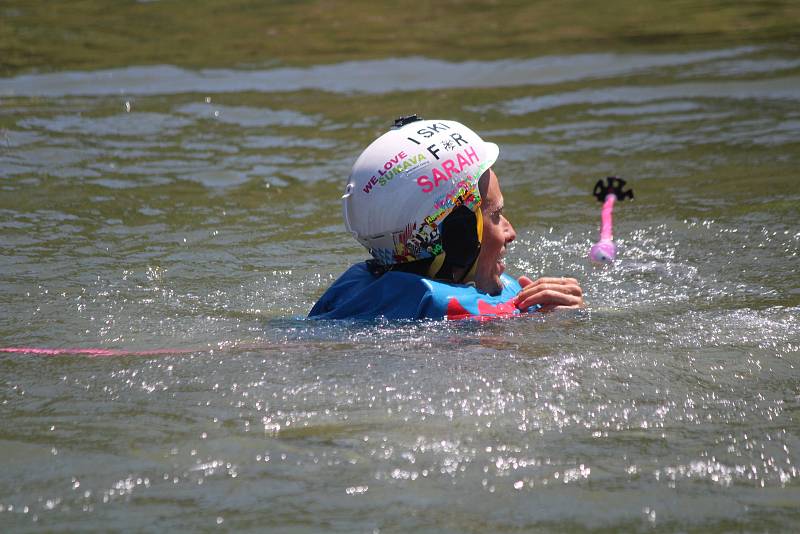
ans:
x=408 y=181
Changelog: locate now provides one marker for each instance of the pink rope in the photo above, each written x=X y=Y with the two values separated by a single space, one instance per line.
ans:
x=91 y=352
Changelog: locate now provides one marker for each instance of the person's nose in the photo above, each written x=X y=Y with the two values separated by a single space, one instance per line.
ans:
x=511 y=235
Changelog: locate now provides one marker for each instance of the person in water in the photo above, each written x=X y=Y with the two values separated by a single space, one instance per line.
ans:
x=425 y=202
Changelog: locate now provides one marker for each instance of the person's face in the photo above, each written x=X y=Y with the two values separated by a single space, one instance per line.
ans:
x=497 y=233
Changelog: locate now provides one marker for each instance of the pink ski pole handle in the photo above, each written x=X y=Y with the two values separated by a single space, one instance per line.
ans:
x=605 y=250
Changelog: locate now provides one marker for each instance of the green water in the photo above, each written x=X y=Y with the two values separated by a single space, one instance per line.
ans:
x=170 y=175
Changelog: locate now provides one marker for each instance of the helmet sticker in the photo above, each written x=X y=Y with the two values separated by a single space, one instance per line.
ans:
x=447 y=168
x=399 y=163
x=410 y=245
x=410 y=163
x=464 y=193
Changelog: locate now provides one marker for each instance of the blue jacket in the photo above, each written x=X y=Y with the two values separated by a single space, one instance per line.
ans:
x=358 y=294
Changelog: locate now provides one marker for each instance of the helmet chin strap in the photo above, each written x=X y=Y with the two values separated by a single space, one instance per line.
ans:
x=470 y=276
x=436 y=265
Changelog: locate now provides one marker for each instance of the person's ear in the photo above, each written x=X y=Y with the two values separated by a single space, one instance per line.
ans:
x=460 y=237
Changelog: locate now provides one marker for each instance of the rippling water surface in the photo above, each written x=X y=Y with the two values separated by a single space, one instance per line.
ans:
x=195 y=211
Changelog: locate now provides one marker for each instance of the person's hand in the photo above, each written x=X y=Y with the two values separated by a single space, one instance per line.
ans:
x=549 y=293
